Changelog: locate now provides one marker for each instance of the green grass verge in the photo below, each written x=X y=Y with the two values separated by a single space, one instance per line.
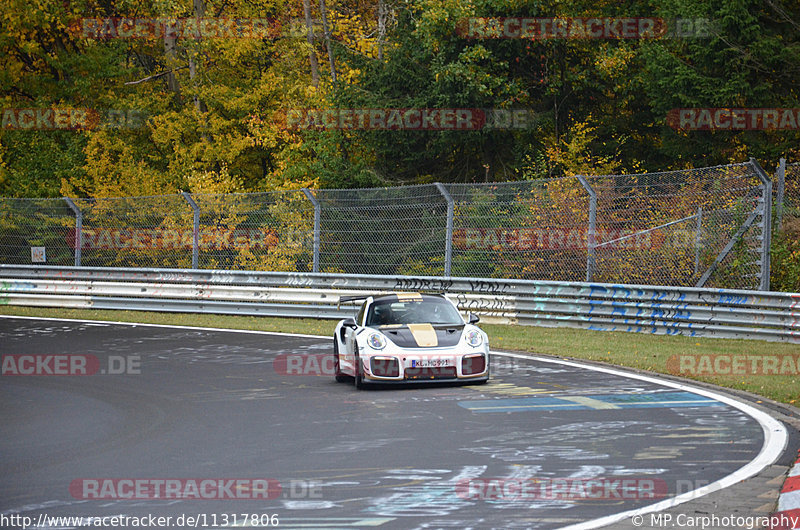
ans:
x=634 y=350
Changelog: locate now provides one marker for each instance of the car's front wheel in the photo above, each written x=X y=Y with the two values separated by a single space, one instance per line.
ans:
x=337 y=373
x=359 y=380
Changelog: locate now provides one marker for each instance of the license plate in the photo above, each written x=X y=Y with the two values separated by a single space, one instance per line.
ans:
x=430 y=363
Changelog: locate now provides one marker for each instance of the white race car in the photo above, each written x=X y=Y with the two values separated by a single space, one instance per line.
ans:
x=407 y=337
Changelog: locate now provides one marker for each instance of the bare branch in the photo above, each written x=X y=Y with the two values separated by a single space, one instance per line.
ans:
x=156 y=76
x=783 y=14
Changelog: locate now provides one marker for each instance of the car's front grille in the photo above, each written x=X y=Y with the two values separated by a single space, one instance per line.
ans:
x=473 y=364
x=444 y=372
x=385 y=367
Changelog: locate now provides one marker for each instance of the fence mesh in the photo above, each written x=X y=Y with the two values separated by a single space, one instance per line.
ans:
x=532 y=229
x=791 y=193
x=27 y=224
x=386 y=231
x=151 y=231
x=256 y=231
x=670 y=228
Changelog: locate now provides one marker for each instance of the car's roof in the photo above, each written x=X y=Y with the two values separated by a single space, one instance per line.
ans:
x=408 y=297
x=394 y=297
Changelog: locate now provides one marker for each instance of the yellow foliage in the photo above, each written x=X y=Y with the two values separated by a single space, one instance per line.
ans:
x=570 y=154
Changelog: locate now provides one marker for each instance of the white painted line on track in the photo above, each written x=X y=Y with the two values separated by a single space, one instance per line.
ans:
x=775 y=435
x=775 y=440
x=173 y=326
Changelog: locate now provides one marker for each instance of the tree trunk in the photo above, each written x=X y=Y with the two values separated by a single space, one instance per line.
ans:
x=324 y=14
x=170 y=54
x=383 y=13
x=199 y=13
x=312 y=55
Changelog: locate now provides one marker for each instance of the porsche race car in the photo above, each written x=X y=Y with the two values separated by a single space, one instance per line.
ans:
x=409 y=337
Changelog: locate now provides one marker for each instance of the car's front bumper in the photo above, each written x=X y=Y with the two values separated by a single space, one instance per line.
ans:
x=463 y=380
x=431 y=366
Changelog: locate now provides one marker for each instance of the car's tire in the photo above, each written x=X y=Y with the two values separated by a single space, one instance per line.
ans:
x=338 y=375
x=359 y=380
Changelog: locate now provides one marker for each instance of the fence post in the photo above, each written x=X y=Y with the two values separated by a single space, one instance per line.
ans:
x=591 y=252
x=766 y=223
x=195 y=228
x=317 y=217
x=698 y=240
x=780 y=176
x=78 y=230
x=448 y=244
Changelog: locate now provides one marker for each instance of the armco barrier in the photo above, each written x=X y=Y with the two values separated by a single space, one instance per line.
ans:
x=634 y=308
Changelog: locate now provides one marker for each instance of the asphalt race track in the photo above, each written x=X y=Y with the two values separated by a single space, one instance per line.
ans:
x=197 y=404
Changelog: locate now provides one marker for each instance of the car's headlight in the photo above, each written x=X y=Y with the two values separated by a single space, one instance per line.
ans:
x=376 y=341
x=473 y=337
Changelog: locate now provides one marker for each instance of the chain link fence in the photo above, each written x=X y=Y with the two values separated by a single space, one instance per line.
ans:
x=785 y=251
x=787 y=196
x=531 y=229
x=693 y=227
x=134 y=232
x=36 y=230
x=255 y=231
x=670 y=228
x=400 y=230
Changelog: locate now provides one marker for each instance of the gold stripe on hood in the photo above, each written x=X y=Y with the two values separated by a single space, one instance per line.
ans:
x=424 y=335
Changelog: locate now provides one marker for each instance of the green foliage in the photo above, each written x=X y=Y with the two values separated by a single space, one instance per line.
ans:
x=221 y=102
x=208 y=115
x=785 y=257
x=749 y=60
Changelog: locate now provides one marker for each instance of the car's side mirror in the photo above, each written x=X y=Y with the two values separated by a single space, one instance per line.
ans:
x=349 y=322
x=473 y=318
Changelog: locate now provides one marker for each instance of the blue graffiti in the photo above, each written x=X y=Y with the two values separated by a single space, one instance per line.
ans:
x=599 y=289
x=733 y=299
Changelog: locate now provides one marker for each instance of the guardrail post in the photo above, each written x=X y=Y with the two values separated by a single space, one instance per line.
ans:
x=448 y=243
x=195 y=228
x=78 y=230
x=766 y=223
x=591 y=252
x=317 y=217
x=780 y=176
x=698 y=240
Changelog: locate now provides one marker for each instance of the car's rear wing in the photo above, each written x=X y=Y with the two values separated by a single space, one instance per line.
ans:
x=356 y=298
x=343 y=299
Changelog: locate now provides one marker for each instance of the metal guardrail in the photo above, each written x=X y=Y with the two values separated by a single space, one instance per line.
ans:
x=634 y=308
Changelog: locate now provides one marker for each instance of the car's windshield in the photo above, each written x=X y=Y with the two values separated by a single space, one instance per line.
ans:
x=385 y=312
